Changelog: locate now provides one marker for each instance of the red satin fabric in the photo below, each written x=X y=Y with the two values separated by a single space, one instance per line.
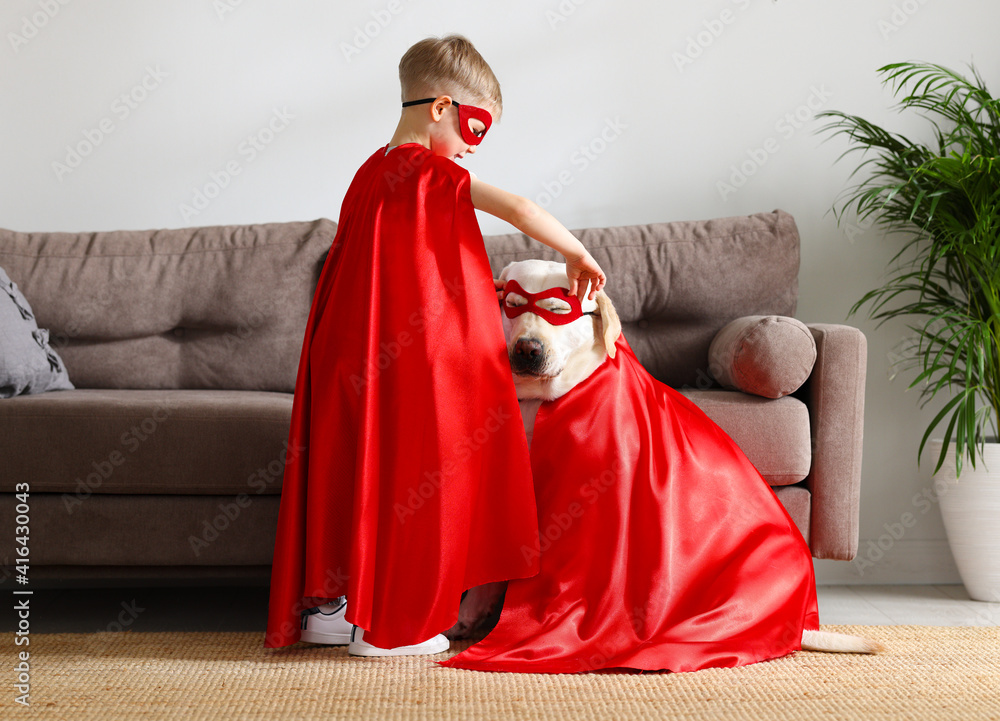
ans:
x=408 y=478
x=662 y=547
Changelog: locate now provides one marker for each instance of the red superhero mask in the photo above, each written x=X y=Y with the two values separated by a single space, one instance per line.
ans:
x=575 y=310
x=466 y=113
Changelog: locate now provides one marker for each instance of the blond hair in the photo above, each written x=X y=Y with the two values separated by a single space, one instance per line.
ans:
x=448 y=66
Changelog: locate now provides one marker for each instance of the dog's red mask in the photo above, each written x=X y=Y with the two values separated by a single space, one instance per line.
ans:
x=553 y=317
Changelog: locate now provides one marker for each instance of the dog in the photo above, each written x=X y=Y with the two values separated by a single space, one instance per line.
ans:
x=548 y=359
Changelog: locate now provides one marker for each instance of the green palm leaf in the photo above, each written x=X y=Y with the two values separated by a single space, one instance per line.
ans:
x=946 y=200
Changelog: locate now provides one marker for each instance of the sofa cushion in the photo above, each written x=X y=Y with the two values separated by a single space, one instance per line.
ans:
x=797 y=500
x=119 y=531
x=767 y=355
x=675 y=285
x=28 y=364
x=93 y=441
x=115 y=536
x=774 y=434
x=146 y=536
x=221 y=307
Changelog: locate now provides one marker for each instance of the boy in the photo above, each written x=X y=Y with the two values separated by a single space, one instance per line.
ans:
x=416 y=482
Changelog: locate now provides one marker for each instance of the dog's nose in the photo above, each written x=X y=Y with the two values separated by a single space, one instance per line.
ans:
x=528 y=347
x=528 y=354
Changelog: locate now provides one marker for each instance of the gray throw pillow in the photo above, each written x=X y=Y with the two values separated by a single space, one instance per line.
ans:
x=27 y=363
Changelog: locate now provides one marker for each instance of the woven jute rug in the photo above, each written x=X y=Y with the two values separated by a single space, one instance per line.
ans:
x=926 y=673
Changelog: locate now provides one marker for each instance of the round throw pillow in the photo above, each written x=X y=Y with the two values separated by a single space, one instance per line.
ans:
x=766 y=355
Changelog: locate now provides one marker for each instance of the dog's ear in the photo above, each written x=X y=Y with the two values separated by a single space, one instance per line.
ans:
x=611 y=327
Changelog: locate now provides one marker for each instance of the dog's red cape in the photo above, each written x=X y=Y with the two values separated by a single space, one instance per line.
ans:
x=662 y=547
x=408 y=478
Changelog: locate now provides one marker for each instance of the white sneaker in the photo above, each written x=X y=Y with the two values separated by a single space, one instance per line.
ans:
x=360 y=647
x=326 y=623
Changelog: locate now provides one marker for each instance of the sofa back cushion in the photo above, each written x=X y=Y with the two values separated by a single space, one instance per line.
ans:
x=221 y=307
x=226 y=307
x=675 y=285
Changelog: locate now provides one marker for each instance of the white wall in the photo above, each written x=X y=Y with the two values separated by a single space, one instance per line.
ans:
x=216 y=73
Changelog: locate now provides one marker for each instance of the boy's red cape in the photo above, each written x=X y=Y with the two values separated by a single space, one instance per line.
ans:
x=408 y=478
x=662 y=547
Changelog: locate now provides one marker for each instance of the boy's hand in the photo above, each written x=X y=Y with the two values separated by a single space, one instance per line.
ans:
x=499 y=286
x=581 y=269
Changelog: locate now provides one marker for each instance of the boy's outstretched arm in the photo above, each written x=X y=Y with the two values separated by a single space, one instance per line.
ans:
x=539 y=224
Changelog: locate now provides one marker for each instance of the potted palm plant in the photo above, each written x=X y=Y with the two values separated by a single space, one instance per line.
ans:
x=945 y=282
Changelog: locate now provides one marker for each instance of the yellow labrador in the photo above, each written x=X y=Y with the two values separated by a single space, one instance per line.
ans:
x=550 y=360
x=547 y=362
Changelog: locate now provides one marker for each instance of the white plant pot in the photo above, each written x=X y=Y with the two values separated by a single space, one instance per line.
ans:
x=970 y=507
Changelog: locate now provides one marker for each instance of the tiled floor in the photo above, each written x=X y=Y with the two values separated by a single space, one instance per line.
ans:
x=904 y=605
x=244 y=608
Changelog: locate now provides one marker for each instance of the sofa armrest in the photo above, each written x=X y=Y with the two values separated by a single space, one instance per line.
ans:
x=835 y=395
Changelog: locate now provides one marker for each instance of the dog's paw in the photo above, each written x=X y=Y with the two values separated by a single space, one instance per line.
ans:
x=480 y=605
x=460 y=630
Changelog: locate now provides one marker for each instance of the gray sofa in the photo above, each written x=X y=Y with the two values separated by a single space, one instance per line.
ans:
x=166 y=459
